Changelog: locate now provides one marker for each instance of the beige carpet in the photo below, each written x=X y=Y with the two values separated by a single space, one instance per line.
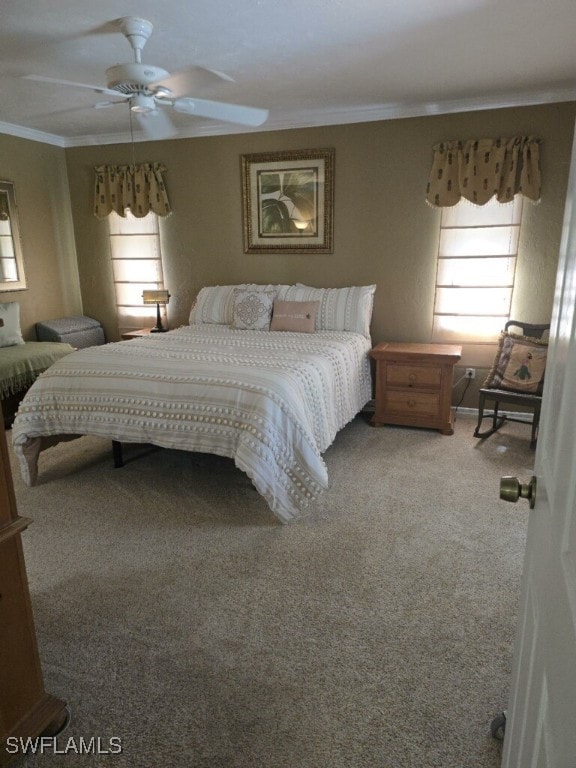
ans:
x=174 y=613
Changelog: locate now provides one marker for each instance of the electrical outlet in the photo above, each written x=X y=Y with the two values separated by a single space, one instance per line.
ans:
x=470 y=373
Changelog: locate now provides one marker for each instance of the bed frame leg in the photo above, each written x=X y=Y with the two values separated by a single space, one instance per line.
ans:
x=117 y=454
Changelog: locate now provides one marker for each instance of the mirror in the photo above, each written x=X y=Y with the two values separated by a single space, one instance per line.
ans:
x=11 y=262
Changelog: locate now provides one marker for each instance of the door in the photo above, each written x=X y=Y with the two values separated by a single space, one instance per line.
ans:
x=541 y=727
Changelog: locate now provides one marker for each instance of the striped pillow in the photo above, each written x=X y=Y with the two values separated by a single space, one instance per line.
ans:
x=341 y=309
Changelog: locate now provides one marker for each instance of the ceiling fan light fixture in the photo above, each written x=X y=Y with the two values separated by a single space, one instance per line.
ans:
x=141 y=103
x=161 y=92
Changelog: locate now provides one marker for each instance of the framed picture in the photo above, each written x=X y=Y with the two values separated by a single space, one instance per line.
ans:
x=287 y=201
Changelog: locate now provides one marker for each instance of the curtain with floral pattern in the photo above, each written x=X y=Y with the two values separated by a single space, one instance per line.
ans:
x=480 y=169
x=140 y=188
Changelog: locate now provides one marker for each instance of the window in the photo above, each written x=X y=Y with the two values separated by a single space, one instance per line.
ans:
x=136 y=265
x=475 y=272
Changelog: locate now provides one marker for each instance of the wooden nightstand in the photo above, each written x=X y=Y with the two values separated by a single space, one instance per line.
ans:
x=414 y=384
x=136 y=334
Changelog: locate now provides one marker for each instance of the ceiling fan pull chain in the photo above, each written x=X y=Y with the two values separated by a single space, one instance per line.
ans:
x=132 y=140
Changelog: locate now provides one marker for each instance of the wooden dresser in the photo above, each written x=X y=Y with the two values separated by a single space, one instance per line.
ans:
x=414 y=384
x=25 y=707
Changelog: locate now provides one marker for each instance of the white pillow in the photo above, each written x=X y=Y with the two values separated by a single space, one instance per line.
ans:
x=252 y=310
x=214 y=304
x=10 y=333
x=341 y=309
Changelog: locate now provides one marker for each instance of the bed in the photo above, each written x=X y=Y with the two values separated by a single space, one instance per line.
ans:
x=272 y=401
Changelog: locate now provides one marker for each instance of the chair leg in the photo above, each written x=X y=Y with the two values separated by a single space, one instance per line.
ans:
x=497 y=419
x=535 y=426
x=481 y=401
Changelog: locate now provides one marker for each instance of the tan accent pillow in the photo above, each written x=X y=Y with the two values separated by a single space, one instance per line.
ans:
x=299 y=316
x=520 y=364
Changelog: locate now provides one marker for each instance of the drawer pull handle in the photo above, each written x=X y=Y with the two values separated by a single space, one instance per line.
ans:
x=412 y=377
x=411 y=403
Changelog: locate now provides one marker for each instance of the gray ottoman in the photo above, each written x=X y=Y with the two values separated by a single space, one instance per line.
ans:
x=78 y=331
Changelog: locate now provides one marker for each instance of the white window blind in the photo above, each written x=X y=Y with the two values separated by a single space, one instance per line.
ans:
x=8 y=269
x=136 y=266
x=477 y=253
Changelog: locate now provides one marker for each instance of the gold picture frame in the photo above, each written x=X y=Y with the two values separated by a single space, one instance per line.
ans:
x=288 y=200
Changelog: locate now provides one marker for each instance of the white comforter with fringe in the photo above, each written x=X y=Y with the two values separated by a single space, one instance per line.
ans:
x=271 y=401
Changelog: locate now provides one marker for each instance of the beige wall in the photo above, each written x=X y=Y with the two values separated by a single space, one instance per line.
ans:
x=384 y=232
x=41 y=184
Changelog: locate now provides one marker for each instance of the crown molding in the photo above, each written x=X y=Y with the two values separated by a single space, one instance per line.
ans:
x=29 y=133
x=315 y=118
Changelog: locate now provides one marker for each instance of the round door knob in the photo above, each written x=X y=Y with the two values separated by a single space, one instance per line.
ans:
x=511 y=489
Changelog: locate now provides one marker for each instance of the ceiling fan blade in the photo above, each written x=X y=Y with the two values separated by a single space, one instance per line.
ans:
x=189 y=80
x=218 y=110
x=156 y=125
x=106 y=104
x=55 y=81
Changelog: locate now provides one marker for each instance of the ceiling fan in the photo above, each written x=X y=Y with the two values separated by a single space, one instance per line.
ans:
x=149 y=89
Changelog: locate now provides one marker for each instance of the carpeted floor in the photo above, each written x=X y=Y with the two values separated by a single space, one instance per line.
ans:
x=175 y=613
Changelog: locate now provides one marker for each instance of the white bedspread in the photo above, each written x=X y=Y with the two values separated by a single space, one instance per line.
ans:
x=271 y=401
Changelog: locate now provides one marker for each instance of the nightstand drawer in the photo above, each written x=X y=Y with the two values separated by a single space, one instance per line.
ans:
x=413 y=376
x=412 y=404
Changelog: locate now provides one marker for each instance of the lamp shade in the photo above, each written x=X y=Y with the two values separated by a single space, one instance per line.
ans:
x=155 y=297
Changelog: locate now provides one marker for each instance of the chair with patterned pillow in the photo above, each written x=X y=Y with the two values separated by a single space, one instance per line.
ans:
x=516 y=378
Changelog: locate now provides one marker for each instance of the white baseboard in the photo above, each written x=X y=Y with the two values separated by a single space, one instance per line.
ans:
x=520 y=415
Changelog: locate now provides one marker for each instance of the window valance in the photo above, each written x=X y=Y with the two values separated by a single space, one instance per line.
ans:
x=480 y=169
x=140 y=188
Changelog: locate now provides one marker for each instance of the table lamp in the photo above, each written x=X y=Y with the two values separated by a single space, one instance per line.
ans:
x=157 y=297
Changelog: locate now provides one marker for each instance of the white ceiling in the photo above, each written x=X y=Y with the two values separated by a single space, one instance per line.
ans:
x=309 y=62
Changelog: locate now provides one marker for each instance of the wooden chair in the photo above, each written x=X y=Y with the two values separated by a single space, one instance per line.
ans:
x=530 y=402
